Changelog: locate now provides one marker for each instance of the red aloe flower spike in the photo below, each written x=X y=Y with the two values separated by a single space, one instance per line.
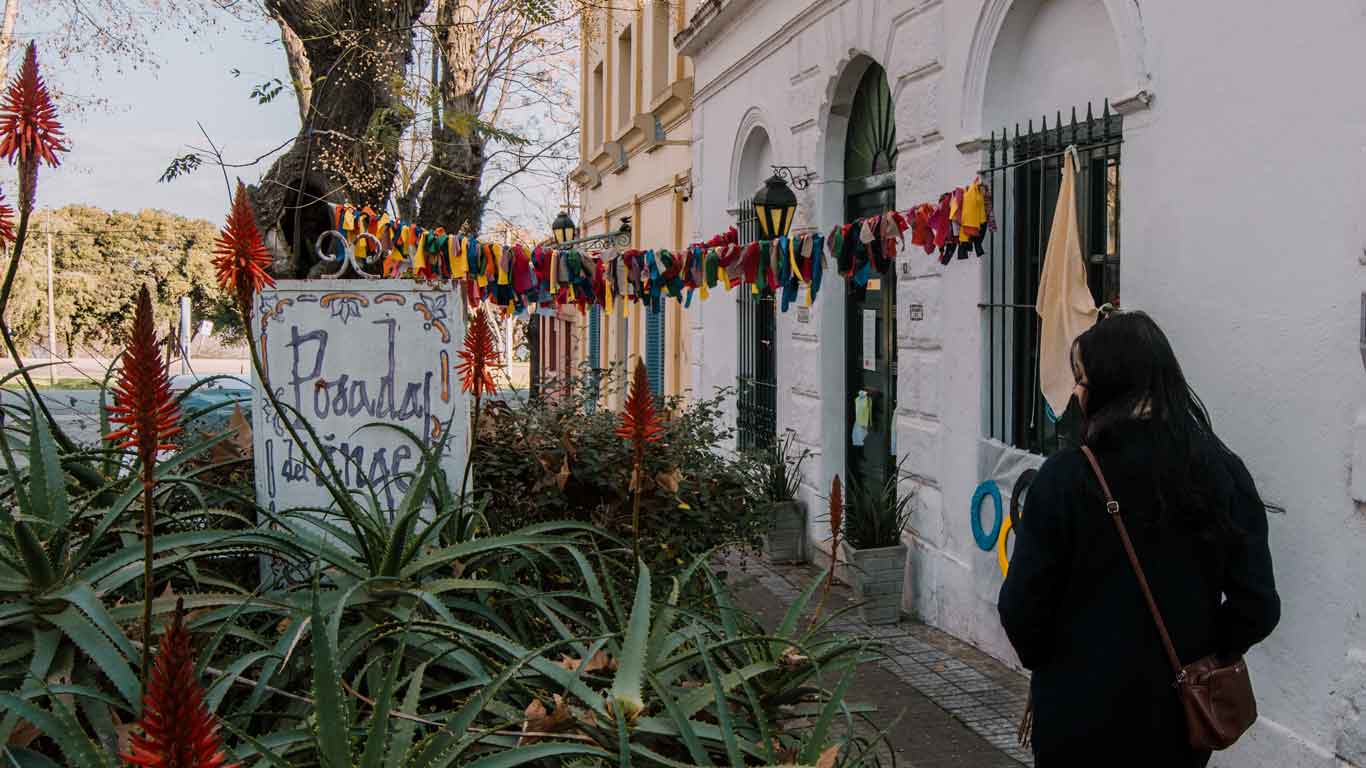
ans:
x=150 y=418
x=28 y=118
x=177 y=729
x=639 y=422
x=143 y=405
x=6 y=222
x=242 y=260
x=478 y=358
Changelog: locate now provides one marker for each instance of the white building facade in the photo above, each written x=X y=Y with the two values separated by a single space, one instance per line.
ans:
x=1222 y=186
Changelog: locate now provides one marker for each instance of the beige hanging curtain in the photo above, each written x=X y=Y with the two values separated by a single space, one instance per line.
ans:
x=1065 y=306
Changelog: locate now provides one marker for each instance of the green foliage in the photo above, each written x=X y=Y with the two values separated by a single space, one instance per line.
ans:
x=70 y=564
x=265 y=93
x=537 y=11
x=559 y=458
x=100 y=259
x=183 y=165
x=875 y=515
x=467 y=124
x=423 y=637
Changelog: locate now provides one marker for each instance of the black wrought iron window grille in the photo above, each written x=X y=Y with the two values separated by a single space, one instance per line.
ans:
x=757 y=385
x=1024 y=171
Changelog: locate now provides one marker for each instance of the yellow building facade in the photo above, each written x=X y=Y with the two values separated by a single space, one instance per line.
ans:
x=635 y=144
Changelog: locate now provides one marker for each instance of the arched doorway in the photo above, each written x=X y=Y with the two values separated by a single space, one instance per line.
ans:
x=870 y=322
x=757 y=395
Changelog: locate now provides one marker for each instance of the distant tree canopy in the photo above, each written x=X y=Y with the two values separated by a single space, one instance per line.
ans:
x=100 y=259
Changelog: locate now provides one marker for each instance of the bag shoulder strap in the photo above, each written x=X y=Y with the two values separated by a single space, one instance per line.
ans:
x=1112 y=507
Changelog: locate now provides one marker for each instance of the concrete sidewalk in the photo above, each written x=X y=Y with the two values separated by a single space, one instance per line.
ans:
x=958 y=707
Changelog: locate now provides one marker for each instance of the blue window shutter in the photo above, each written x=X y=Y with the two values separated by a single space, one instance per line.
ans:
x=654 y=349
x=595 y=337
x=594 y=354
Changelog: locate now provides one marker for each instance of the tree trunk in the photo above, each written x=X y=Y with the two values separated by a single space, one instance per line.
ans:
x=347 y=151
x=450 y=196
x=299 y=70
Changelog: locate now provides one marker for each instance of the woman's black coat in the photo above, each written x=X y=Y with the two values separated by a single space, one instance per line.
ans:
x=1071 y=605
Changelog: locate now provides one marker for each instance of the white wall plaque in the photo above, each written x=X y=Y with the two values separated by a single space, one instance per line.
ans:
x=870 y=339
x=348 y=355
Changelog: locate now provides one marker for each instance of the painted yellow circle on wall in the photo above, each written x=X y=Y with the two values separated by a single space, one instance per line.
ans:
x=1007 y=527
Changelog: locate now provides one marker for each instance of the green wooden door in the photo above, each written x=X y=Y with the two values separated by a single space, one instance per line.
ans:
x=870 y=322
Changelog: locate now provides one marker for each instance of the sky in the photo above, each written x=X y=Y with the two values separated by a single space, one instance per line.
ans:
x=118 y=152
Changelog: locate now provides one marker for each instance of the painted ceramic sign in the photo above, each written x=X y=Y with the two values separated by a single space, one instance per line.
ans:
x=357 y=359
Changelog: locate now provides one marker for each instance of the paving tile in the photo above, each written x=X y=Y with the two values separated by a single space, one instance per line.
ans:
x=957 y=707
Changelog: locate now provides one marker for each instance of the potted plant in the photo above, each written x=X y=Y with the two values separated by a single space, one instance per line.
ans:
x=779 y=478
x=874 y=517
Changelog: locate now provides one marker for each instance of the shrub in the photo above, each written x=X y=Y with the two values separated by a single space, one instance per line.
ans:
x=558 y=457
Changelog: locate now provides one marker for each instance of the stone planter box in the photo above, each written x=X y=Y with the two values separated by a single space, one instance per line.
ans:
x=877 y=577
x=785 y=541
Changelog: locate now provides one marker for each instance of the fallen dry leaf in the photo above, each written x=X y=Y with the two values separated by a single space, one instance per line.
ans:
x=538 y=721
x=562 y=479
x=239 y=422
x=792 y=658
x=600 y=661
x=23 y=734
x=670 y=481
x=828 y=757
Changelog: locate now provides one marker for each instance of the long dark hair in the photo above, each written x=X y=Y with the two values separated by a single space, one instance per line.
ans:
x=1132 y=375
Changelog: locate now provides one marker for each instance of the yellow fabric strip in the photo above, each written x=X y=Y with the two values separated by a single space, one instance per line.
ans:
x=498 y=259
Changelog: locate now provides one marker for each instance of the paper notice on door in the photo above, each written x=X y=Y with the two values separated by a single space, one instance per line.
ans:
x=870 y=339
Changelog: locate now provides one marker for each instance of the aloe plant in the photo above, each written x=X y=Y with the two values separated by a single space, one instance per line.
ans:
x=70 y=567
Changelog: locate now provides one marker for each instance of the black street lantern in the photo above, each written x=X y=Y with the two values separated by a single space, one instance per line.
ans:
x=775 y=206
x=564 y=228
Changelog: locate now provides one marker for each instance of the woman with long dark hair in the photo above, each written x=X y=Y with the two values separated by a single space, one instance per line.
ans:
x=1102 y=687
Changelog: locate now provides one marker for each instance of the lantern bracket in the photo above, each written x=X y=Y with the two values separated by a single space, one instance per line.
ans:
x=618 y=239
x=799 y=176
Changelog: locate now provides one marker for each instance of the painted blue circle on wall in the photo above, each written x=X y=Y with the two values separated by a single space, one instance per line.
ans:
x=986 y=542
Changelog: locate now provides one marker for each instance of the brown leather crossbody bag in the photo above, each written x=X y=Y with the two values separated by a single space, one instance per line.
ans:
x=1216 y=696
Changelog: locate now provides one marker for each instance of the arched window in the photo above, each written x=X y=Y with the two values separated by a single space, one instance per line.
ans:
x=1052 y=65
x=757 y=411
